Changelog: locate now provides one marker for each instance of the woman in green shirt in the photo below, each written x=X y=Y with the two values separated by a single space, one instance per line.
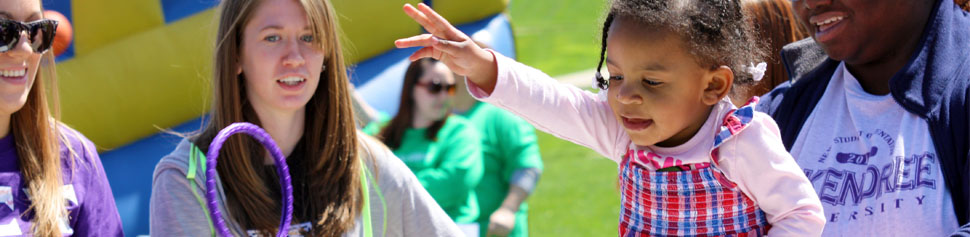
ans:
x=513 y=165
x=443 y=151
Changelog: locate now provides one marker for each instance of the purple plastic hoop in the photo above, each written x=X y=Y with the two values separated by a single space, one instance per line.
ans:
x=281 y=169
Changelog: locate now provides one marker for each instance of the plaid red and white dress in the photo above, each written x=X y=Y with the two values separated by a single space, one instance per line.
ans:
x=698 y=201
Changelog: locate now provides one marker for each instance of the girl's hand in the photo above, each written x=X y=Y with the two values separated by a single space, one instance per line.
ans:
x=450 y=46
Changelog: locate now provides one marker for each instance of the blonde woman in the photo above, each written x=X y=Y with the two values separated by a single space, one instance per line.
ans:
x=51 y=178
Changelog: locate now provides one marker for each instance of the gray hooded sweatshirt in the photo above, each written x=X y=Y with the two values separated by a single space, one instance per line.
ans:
x=410 y=210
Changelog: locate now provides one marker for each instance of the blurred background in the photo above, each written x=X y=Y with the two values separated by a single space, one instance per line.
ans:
x=577 y=194
x=132 y=72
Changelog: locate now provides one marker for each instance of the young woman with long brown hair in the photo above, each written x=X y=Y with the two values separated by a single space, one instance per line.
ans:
x=278 y=64
x=51 y=177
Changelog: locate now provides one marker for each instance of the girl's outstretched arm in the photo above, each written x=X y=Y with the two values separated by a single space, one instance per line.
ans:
x=562 y=110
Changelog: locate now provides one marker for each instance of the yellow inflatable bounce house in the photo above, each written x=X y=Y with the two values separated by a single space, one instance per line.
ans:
x=137 y=70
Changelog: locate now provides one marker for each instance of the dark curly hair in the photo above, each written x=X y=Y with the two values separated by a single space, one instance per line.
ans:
x=716 y=32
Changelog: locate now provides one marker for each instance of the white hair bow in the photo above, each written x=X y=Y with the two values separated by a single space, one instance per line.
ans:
x=757 y=71
x=601 y=95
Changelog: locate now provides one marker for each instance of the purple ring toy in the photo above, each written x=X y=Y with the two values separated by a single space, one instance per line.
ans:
x=281 y=169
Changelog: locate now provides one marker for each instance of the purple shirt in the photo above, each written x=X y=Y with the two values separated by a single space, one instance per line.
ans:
x=91 y=206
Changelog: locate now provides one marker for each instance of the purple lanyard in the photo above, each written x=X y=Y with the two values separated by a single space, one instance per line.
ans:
x=281 y=169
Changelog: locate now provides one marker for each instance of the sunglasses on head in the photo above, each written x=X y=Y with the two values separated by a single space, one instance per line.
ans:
x=40 y=33
x=436 y=88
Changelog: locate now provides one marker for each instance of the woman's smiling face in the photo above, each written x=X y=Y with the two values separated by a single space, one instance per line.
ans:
x=18 y=65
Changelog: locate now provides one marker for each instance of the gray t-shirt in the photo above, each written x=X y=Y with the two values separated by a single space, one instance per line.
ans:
x=873 y=165
x=175 y=210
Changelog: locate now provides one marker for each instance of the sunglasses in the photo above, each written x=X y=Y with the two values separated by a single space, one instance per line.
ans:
x=40 y=33
x=436 y=88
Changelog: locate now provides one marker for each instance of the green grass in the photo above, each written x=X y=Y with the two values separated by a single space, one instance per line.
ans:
x=577 y=194
x=557 y=36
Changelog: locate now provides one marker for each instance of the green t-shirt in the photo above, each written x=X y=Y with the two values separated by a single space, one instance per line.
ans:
x=449 y=168
x=508 y=144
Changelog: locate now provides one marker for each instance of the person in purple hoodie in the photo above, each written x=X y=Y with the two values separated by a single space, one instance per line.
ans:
x=51 y=179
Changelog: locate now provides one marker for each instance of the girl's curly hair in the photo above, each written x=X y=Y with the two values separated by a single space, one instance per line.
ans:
x=716 y=32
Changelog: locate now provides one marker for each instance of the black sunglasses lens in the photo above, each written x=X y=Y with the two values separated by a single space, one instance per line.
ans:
x=434 y=88
x=42 y=35
x=9 y=35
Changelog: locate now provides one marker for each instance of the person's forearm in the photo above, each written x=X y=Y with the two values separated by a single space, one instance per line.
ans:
x=515 y=198
x=486 y=73
x=521 y=185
